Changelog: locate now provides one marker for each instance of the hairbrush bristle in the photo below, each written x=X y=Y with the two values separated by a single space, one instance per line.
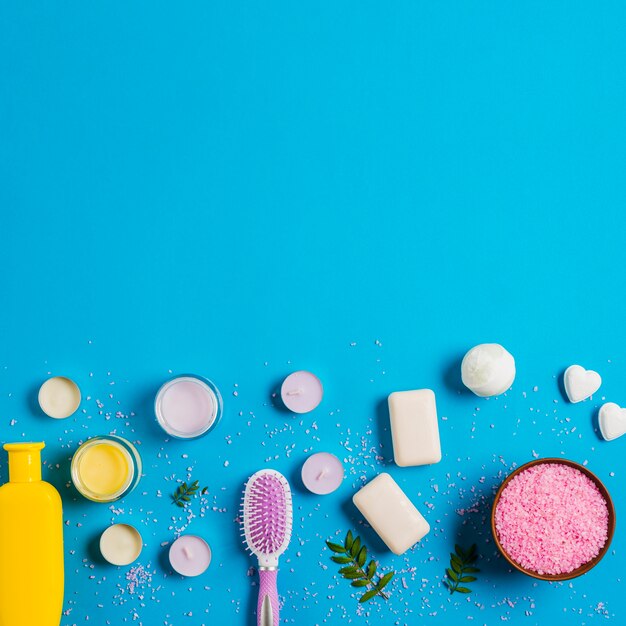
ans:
x=267 y=514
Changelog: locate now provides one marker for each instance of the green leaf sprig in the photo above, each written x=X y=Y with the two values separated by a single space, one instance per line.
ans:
x=353 y=555
x=183 y=494
x=461 y=568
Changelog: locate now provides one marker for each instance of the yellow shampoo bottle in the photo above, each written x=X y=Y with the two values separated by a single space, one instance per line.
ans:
x=31 y=543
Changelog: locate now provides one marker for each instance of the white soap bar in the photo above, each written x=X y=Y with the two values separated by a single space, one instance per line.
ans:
x=391 y=514
x=414 y=427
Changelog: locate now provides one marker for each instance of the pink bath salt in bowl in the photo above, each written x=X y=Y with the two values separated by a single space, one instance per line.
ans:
x=553 y=519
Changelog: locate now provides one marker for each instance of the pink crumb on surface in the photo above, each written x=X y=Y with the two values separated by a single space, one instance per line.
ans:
x=551 y=519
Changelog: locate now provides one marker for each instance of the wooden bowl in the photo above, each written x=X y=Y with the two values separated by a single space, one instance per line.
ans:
x=583 y=569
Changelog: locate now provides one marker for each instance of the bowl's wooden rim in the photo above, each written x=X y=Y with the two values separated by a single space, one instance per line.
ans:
x=583 y=569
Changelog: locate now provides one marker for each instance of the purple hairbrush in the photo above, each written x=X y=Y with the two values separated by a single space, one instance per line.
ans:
x=267 y=521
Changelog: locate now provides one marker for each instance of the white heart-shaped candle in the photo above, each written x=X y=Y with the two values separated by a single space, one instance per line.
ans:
x=612 y=420
x=580 y=383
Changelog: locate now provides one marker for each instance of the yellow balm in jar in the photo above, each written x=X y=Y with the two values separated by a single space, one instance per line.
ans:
x=106 y=468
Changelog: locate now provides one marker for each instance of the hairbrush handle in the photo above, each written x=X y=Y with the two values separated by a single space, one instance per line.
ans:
x=267 y=608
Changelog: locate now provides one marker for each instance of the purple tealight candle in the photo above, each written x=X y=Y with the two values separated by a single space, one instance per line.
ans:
x=322 y=473
x=301 y=392
x=190 y=555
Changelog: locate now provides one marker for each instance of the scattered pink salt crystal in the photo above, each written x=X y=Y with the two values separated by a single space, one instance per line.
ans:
x=136 y=578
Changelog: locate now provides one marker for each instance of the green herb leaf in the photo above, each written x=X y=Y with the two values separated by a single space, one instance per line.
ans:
x=467 y=579
x=368 y=595
x=335 y=547
x=352 y=575
x=463 y=590
x=356 y=546
x=459 y=551
x=371 y=569
x=348 y=541
x=452 y=575
x=362 y=556
x=384 y=581
x=341 y=559
x=348 y=570
x=360 y=583
x=471 y=570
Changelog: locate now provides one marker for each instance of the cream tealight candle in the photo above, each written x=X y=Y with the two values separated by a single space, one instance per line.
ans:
x=121 y=544
x=59 y=397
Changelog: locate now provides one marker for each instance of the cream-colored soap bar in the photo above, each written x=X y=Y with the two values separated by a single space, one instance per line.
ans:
x=390 y=513
x=414 y=427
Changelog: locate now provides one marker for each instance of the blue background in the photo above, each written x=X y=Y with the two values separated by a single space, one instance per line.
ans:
x=360 y=189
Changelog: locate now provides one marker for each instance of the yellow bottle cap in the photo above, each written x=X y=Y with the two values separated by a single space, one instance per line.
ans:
x=24 y=461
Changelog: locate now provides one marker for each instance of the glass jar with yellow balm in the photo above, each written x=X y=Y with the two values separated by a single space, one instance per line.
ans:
x=106 y=468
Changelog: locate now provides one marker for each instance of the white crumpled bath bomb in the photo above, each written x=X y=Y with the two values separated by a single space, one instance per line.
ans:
x=488 y=369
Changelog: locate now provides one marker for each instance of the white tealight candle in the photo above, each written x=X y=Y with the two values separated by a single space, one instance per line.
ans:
x=121 y=544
